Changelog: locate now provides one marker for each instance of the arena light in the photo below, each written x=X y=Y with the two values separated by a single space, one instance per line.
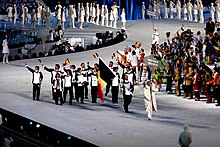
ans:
x=38 y=125
x=30 y=122
x=69 y=137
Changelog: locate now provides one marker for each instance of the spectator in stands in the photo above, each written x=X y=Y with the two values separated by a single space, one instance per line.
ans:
x=50 y=36
x=56 y=35
x=5 y=50
x=60 y=31
x=210 y=27
x=34 y=35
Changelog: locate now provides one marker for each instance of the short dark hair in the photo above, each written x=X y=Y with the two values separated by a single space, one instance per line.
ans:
x=37 y=67
x=73 y=66
x=82 y=63
x=57 y=65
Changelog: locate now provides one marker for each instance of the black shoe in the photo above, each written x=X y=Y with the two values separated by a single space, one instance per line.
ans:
x=217 y=104
x=82 y=103
x=106 y=94
x=77 y=100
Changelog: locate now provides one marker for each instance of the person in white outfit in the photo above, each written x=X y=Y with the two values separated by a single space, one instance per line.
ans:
x=58 y=9
x=48 y=14
x=195 y=12
x=97 y=14
x=9 y=10
x=26 y=14
x=72 y=13
x=165 y=10
x=87 y=12
x=189 y=6
x=201 y=12
x=93 y=13
x=15 y=14
x=39 y=13
x=155 y=9
x=78 y=9
x=212 y=12
x=33 y=18
x=81 y=16
x=158 y=10
x=171 y=9
x=143 y=10
x=90 y=11
x=5 y=50
x=178 y=9
x=123 y=19
x=115 y=14
x=103 y=15
x=111 y=19
x=22 y=16
x=155 y=36
x=149 y=99
x=63 y=18
x=185 y=11
x=106 y=15
x=217 y=12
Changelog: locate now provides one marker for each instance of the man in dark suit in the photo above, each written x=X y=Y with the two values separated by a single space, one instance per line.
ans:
x=210 y=27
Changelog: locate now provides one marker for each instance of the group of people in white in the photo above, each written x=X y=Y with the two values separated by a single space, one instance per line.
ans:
x=91 y=12
x=191 y=11
x=40 y=15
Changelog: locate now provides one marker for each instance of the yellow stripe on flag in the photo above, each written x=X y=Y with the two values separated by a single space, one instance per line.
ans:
x=101 y=85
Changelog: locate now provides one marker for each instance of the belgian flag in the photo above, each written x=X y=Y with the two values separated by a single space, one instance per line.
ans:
x=66 y=62
x=105 y=75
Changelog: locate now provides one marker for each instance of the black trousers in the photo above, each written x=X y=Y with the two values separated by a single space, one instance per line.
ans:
x=216 y=94
x=58 y=95
x=94 y=90
x=36 y=90
x=188 y=89
x=80 y=93
x=107 y=88
x=86 y=91
x=75 y=87
x=127 y=101
x=140 y=70
x=115 y=91
x=169 y=84
x=66 y=89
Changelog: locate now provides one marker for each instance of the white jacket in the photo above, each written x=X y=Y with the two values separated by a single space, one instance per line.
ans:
x=149 y=98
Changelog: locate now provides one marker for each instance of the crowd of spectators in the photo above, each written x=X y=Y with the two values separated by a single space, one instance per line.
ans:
x=17 y=38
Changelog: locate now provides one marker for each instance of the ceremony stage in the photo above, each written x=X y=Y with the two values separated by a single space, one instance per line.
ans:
x=106 y=124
